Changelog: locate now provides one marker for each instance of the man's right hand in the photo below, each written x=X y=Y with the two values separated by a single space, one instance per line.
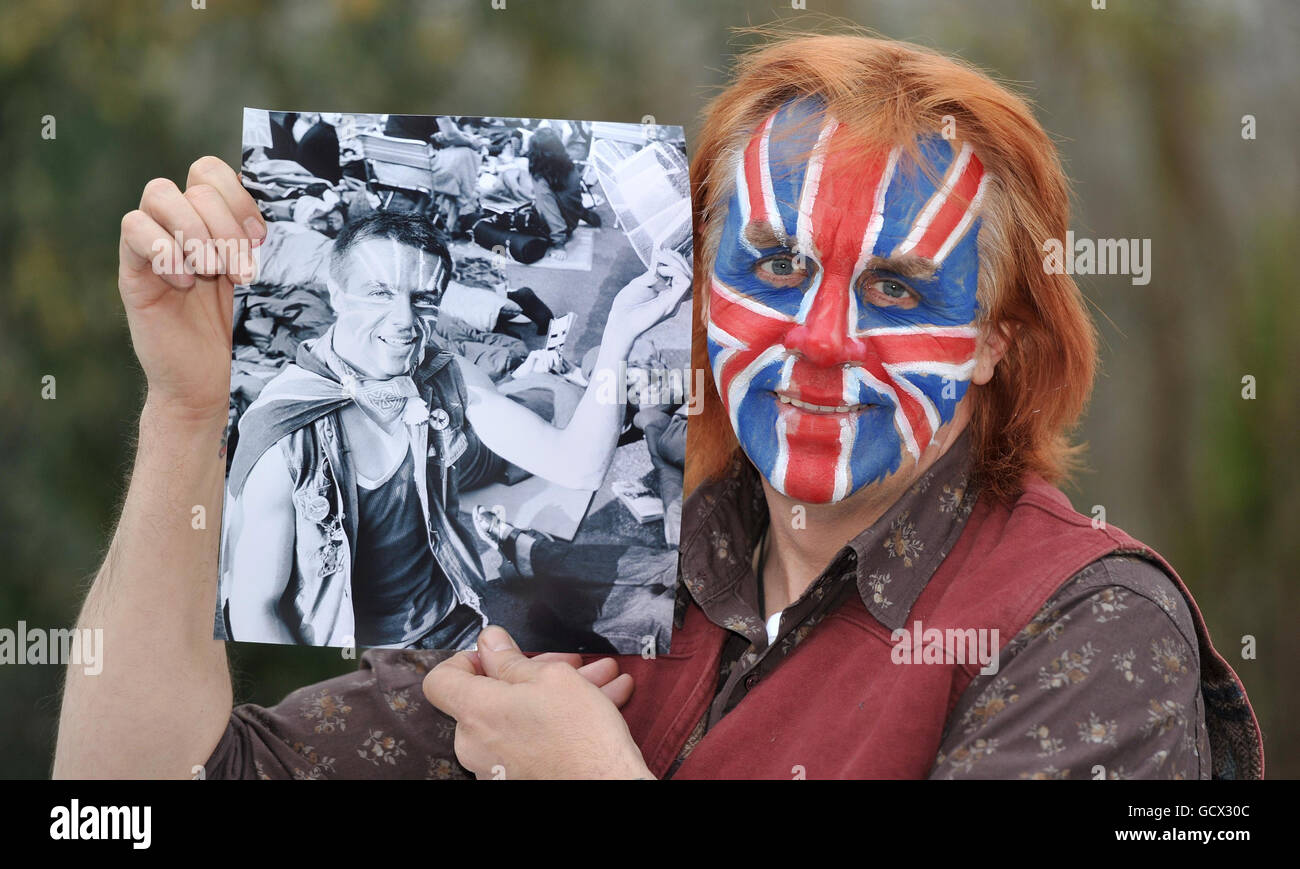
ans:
x=181 y=321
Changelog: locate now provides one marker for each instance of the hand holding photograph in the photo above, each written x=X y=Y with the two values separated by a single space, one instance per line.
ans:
x=453 y=363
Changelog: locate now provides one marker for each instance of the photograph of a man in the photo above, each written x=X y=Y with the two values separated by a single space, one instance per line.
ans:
x=343 y=525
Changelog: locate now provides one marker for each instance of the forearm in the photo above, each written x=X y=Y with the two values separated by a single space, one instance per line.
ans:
x=576 y=456
x=585 y=447
x=162 y=699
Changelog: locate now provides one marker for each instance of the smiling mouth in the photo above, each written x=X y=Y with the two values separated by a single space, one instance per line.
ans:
x=823 y=408
x=398 y=343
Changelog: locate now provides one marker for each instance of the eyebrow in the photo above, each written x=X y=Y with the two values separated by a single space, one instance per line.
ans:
x=907 y=265
x=761 y=235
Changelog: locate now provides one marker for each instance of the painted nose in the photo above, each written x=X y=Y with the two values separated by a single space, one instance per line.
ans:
x=402 y=314
x=823 y=337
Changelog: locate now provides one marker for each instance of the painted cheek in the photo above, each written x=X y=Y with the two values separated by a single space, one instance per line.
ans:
x=951 y=296
x=744 y=320
x=425 y=325
x=928 y=377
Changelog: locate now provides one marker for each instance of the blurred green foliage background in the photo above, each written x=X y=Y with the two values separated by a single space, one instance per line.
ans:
x=1145 y=99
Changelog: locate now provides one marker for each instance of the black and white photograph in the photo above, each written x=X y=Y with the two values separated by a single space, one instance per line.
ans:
x=460 y=384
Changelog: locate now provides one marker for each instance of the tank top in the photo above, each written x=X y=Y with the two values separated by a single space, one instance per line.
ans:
x=398 y=590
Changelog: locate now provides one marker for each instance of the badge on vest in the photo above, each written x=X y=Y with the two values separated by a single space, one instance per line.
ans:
x=451 y=443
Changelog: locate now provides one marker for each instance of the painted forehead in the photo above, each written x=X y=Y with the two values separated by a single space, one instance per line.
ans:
x=394 y=264
x=797 y=187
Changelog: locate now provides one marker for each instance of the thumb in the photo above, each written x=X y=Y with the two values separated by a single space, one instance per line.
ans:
x=500 y=657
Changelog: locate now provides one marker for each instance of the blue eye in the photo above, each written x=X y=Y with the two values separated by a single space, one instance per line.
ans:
x=889 y=293
x=782 y=266
x=783 y=269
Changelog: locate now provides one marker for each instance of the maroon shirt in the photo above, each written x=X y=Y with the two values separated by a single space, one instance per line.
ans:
x=1105 y=680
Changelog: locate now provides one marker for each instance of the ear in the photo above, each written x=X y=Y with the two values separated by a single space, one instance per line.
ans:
x=990 y=347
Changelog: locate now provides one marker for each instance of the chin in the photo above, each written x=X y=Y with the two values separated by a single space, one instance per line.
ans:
x=808 y=497
x=812 y=460
x=818 y=496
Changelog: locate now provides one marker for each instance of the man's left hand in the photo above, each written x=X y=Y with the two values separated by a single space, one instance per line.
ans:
x=520 y=717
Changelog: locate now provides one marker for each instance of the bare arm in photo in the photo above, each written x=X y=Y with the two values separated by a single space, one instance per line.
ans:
x=161 y=702
x=449 y=133
x=262 y=554
x=579 y=455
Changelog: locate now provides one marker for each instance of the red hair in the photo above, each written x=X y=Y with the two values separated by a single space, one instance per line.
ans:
x=888 y=94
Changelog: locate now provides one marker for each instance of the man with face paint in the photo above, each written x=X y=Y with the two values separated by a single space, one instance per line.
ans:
x=871 y=476
x=344 y=524
x=841 y=327
x=878 y=575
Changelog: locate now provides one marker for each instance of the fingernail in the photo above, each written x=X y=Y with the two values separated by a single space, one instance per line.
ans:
x=256 y=230
x=496 y=639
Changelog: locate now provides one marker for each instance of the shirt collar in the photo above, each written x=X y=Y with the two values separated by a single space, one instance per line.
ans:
x=890 y=561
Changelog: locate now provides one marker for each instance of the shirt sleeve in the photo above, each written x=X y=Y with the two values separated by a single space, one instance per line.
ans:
x=373 y=723
x=1104 y=682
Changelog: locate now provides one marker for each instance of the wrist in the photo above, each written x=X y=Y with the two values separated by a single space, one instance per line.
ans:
x=174 y=421
x=615 y=346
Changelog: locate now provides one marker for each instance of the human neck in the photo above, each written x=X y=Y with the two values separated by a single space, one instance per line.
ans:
x=802 y=538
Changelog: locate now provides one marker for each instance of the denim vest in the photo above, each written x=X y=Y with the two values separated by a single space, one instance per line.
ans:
x=318 y=605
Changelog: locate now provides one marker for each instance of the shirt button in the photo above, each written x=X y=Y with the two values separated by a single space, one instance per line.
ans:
x=751 y=680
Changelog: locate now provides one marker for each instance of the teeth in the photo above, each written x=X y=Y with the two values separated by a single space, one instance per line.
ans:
x=819 y=408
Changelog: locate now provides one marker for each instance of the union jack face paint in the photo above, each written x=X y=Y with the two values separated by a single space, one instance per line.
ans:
x=841 y=317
